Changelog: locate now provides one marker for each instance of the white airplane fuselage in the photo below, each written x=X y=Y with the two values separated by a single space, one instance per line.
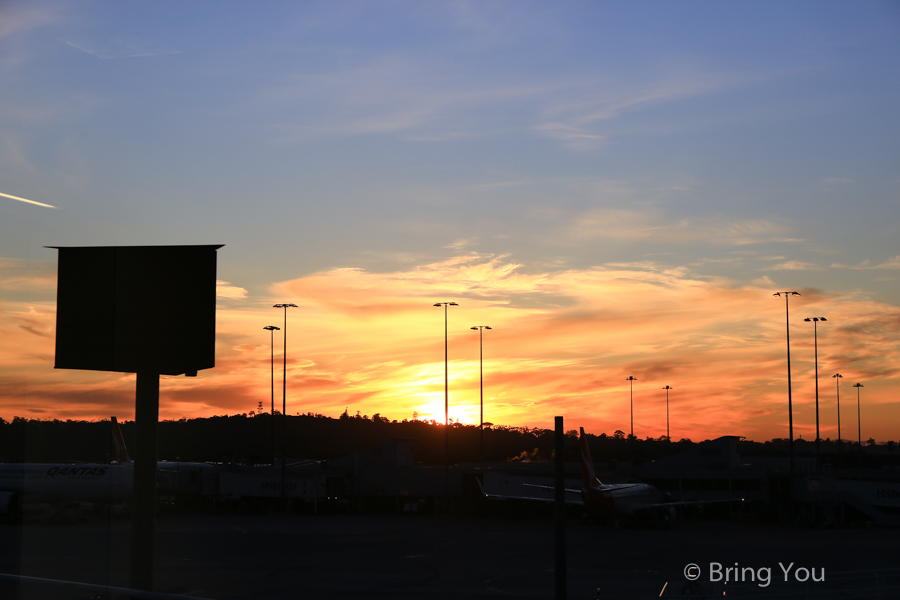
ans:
x=34 y=482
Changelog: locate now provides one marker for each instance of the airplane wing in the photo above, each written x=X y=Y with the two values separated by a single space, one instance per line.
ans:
x=551 y=488
x=689 y=502
x=578 y=502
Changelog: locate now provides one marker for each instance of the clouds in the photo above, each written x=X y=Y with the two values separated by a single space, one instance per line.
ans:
x=651 y=225
x=563 y=342
x=866 y=265
x=616 y=191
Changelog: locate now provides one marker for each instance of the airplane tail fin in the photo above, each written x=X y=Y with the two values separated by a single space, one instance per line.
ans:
x=587 y=465
x=121 y=452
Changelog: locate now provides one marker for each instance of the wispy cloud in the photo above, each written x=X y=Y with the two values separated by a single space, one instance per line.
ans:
x=390 y=94
x=226 y=290
x=650 y=225
x=27 y=275
x=891 y=263
x=793 y=265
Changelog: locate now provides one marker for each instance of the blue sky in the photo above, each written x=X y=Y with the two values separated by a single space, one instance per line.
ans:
x=751 y=143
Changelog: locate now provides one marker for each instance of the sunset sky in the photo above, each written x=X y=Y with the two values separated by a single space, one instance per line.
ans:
x=617 y=189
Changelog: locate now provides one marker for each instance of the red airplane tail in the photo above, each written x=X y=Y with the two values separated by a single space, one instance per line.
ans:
x=589 y=477
x=121 y=452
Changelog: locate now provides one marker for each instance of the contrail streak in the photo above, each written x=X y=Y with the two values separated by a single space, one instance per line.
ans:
x=27 y=200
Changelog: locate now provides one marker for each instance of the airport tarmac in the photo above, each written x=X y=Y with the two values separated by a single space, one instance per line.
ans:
x=243 y=557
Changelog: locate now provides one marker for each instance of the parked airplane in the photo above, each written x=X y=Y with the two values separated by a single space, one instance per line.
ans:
x=614 y=501
x=36 y=482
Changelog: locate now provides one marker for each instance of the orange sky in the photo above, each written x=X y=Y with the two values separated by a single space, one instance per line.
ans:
x=563 y=343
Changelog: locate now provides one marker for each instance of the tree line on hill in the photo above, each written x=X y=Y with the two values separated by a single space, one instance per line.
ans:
x=252 y=438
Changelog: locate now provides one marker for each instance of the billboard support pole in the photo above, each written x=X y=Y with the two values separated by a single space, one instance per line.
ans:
x=143 y=521
x=560 y=510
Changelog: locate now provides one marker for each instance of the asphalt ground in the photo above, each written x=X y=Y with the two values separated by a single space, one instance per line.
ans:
x=237 y=557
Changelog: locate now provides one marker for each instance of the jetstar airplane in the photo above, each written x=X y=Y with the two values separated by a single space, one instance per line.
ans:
x=35 y=482
x=614 y=501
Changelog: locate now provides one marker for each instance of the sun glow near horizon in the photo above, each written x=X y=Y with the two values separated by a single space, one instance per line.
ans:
x=563 y=342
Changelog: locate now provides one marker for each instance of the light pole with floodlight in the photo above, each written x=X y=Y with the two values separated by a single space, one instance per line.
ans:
x=480 y=329
x=272 y=329
x=787 y=319
x=284 y=401
x=859 y=421
x=667 y=388
x=815 y=322
x=446 y=406
x=837 y=385
x=632 y=379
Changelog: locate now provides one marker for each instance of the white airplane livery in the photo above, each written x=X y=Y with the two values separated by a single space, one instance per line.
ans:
x=35 y=482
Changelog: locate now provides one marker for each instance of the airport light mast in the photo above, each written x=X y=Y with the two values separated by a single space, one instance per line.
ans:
x=480 y=329
x=272 y=329
x=632 y=379
x=667 y=388
x=837 y=384
x=815 y=322
x=787 y=318
x=859 y=421
x=446 y=406
x=284 y=403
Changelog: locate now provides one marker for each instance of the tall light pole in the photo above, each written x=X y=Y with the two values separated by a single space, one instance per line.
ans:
x=815 y=321
x=284 y=401
x=859 y=421
x=632 y=379
x=667 y=388
x=446 y=407
x=480 y=329
x=787 y=319
x=272 y=329
x=837 y=384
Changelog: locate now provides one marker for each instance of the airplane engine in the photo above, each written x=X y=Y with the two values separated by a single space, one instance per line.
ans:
x=9 y=503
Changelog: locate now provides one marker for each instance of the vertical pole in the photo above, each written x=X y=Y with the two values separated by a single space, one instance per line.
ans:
x=668 y=439
x=272 y=363
x=631 y=442
x=284 y=414
x=446 y=416
x=859 y=425
x=143 y=521
x=481 y=376
x=631 y=396
x=560 y=510
x=787 y=319
x=837 y=385
x=816 y=341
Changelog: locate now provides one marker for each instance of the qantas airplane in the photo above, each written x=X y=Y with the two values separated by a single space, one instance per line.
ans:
x=36 y=482
x=614 y=501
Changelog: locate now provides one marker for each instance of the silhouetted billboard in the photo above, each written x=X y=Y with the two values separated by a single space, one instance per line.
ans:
x=136 y=308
